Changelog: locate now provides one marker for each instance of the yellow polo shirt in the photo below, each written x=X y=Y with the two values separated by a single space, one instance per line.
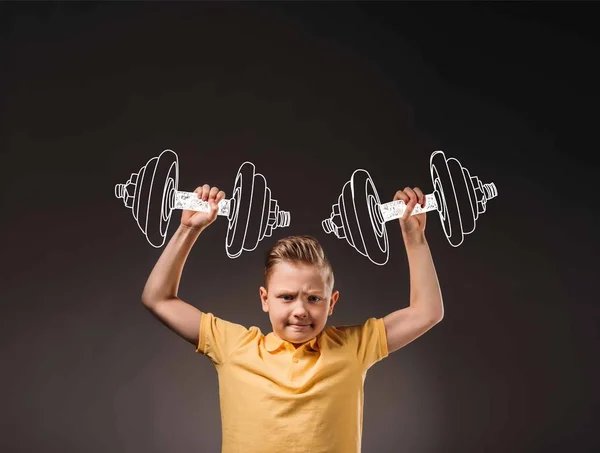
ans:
x=278 y=399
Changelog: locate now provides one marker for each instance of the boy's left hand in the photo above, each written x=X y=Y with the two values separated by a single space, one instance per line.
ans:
x=413 y=226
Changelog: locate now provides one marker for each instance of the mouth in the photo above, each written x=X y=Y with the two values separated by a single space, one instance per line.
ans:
x=301 y=326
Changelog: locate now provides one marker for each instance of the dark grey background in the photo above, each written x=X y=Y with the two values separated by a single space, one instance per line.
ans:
x=308 y=92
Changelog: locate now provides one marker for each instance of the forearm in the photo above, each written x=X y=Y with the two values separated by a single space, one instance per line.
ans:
x=425 y=294
x=163 y=282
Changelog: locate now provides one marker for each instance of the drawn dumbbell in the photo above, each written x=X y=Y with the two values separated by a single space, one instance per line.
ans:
x=360 y=217
x=152 y=195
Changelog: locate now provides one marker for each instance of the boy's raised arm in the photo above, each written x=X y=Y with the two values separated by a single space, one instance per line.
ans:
x=426 y=305
x=160 y=292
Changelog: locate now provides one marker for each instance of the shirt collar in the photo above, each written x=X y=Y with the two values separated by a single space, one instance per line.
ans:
x=273 y=343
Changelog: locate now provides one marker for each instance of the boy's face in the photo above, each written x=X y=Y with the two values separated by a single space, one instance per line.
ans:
x=298 y=301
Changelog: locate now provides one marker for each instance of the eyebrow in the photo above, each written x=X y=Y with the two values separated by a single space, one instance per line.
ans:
x=289 y=291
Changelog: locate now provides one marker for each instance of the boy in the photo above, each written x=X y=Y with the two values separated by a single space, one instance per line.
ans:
x=298 y=389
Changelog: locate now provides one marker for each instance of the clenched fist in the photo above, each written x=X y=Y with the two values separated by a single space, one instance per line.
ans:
x=200 y=220
x=413 y=226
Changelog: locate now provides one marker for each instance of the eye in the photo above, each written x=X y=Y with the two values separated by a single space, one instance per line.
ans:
x=314 y=298
x=286 y=297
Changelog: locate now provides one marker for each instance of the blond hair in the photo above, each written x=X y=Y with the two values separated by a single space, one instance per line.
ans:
x=304 y=249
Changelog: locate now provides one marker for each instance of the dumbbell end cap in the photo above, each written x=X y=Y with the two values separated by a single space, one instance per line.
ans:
x=490 y=190
x=120 y=190
x=284 y=219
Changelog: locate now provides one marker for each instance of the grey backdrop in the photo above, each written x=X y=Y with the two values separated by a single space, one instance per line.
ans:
x=308 y=92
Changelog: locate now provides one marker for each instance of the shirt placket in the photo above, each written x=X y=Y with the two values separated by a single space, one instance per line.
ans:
x=296 y=356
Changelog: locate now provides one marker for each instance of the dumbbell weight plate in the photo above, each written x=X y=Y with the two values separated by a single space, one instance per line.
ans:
x=164 y=177
x=142 y=195
x=349 y=220
x=449 y=210
x=463 y=197
x=256 y=217
x=266 y=211
x=135 y=208
x=370 y=235
x=239 y=216
x=472 y=199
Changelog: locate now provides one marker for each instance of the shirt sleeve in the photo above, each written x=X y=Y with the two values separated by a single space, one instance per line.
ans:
x=218 y=338
x=368 y=341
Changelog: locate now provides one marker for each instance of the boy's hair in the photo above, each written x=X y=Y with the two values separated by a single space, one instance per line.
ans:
x=305 y=249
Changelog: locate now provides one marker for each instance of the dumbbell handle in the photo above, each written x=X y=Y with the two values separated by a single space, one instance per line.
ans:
x=395 y=209
x=190 y=202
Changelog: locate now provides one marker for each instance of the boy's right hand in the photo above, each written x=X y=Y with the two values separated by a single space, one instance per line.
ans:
x=200 y=220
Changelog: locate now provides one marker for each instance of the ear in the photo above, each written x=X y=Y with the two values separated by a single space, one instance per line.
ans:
x=262 y=291
x=334 y=298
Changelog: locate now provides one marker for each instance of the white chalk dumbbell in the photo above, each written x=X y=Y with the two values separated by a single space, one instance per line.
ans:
x=360 y=217
x=152 y=194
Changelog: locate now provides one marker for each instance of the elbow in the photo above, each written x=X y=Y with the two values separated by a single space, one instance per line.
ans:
x=430 y=316
x=148 y=298
x=152 y=294
x=438 y=314
x=436 y=317
x=146 y=302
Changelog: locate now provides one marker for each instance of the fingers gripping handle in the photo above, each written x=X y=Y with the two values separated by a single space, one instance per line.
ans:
x=395 y=209
x=190 y=201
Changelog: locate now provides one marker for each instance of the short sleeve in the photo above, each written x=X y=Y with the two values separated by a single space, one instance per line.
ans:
x=368 y=341
x=218 y=338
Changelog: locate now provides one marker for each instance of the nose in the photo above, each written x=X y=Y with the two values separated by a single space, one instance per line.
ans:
x=299 y=310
